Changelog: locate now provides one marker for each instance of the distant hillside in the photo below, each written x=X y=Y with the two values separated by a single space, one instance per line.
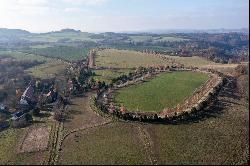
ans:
x=12 y=34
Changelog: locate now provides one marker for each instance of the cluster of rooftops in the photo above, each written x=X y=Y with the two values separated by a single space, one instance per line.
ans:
x=29 y=99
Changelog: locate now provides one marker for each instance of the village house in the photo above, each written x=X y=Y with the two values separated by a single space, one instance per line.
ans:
x=28 y=98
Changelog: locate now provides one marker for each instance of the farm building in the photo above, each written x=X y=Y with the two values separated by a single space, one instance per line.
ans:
x=28 y=98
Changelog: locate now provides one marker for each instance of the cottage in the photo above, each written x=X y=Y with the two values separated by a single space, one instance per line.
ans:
x=28 y=97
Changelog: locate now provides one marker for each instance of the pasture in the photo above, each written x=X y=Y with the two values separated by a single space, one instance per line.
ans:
x=111 y=58
x=23 y=56
x=49 y=68
x=218 y=137
x=194 y=61
x=144 y=38
x=107 y=75
x=166 y=90
x=68 y=53
x=59 y=36
x=116 y=143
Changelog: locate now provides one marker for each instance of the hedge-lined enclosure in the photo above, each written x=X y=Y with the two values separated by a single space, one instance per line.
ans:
x=200 y=98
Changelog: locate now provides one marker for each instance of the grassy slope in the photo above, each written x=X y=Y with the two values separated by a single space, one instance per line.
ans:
x=49 y=68
x=108 y=75
x=125 y=59
x=64 y=52
x=221 y=138
x=165 y=38
x=192 y=61
x=166 y=90
x=54 y=37
x=171 y=39
x=140 y=38
x=23 y=56
x=111 y=144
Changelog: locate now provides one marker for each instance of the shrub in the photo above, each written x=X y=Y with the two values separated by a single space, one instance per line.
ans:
x=60 y=115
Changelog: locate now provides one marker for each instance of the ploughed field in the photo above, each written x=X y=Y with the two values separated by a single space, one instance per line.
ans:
x=165 y=90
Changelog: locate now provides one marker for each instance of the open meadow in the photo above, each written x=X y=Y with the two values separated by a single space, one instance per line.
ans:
x=111 y=58
x=143 y=38
x=68 y=53
x=48 y=68
x=107 y=75
x=164 y=91
x=194 y=61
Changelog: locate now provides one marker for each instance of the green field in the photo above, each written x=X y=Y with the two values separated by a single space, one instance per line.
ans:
x=23 y=56
x=221 y=139
x=166 y=90
x=125 y=59
x=63 y=52
x=57 y=36
x=143 y=38
x=107 y=75
x=141 y=48
x=194 y=61
x=170 y=39
x=111 y=144
x=48 y=69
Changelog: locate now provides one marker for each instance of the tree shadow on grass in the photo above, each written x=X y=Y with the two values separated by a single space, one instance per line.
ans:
x=38 y=122
x=44 y=115
x=75 y=112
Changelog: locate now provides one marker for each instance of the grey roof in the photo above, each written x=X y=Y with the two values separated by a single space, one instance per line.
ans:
x=29 y=92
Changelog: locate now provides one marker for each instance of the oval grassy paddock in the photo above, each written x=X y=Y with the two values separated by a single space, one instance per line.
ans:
x=166 y=90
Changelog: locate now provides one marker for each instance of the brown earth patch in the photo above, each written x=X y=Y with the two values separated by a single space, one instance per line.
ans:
x=36 y=139
x=81 y=115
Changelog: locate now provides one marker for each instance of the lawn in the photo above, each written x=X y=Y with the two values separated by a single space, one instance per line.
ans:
x=110 y=145
x=166 y=90
x=126 y=59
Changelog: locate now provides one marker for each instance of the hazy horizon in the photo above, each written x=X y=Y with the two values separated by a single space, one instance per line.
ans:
x=40 y=16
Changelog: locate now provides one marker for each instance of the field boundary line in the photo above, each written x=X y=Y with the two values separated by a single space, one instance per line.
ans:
x=145 y=138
